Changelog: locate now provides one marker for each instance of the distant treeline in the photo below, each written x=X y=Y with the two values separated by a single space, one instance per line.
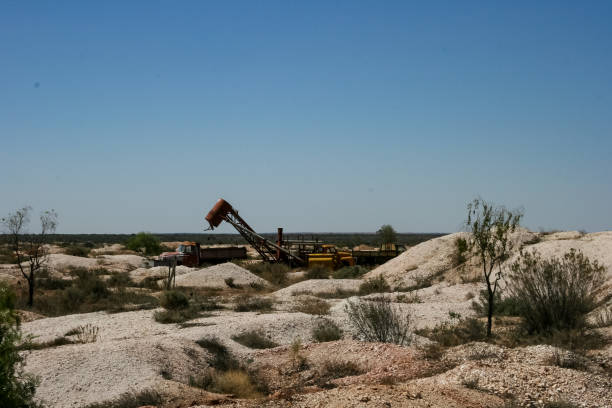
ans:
x=340 y=239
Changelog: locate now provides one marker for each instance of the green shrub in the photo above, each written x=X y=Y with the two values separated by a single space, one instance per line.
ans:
x=254 y=339
x=176 y=315
x=118 y=279
x=339 y=293
x=248 y=303
x=508 y=306
x=7 y=256
x=313 y=306
x=51 y=283
x=56 y=342
x=350 y=272
x=77 y=250
x=230 y=283
x=222 y=359
x=555 y=293
x=318 y=272
x=334 y=368
x=90 y=285
x=131 y=400
x=174 y=300
x=461 y=247
x=17 y=388
x=326 y=330
x=144 y=242
x=374 y=285
x=151 y=282
x=449 y=335
x=378 y=320
x=432 y=351
x=275 y=273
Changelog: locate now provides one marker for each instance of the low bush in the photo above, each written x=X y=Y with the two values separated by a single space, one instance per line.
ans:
x=206 y=303
x=203 y=380
x=7 y=255
x=350 y=272
x=579 y=340
x=88 y=293
x=56 y=342
x=248 y=303
x=567 y=359
x=333 y=368
x=312 y=305
x=174 y=300
x=176 y=315
x=45 y=281
x=459 y=253
x=555 y=293
x=318 y=272
x=131 y=400
x=374 y=285
x=412 y=297
x=433 y=351
x=298 y=360
x=230 y=283
x=235 y=382
x=379 y=320
x=507 y=306
x=222 y=359
x=77 y=250
x=86 y=333
x=326 y=330
x=119 y=279
x=337 y=294
x=449 y=335
x=275 y=273
x=254 y=339
x=151 y=282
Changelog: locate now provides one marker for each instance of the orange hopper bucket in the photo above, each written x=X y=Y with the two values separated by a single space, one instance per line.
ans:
x=218 y=213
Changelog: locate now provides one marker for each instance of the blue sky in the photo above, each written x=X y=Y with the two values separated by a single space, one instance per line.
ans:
x=315 y=116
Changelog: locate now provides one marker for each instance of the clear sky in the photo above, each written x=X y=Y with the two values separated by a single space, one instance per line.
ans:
x=314 y=115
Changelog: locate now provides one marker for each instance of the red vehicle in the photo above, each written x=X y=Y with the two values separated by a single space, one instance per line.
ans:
x=191 y=254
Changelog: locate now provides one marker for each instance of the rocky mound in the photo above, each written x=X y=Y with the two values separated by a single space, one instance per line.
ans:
x=113 y=263
x=319 y=286
x=216 y=276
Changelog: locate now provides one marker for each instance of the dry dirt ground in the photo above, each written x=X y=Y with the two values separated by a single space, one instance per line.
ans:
x=133 y=352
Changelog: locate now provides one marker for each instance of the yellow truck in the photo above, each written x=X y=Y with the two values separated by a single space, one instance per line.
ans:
x=328 y=255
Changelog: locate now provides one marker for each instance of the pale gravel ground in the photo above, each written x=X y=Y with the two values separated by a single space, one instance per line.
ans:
x=527 y=374
x=127 y=354
x=316 y=286
x=214 y=277
x=132 y=348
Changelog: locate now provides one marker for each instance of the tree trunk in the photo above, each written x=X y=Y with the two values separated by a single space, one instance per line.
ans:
x=490 y=311
x=31 y=290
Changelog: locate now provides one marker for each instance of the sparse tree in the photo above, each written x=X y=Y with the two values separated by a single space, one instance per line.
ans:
x=16 y=387
x=387 y=234
x=30 y=249
x=491 y=227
